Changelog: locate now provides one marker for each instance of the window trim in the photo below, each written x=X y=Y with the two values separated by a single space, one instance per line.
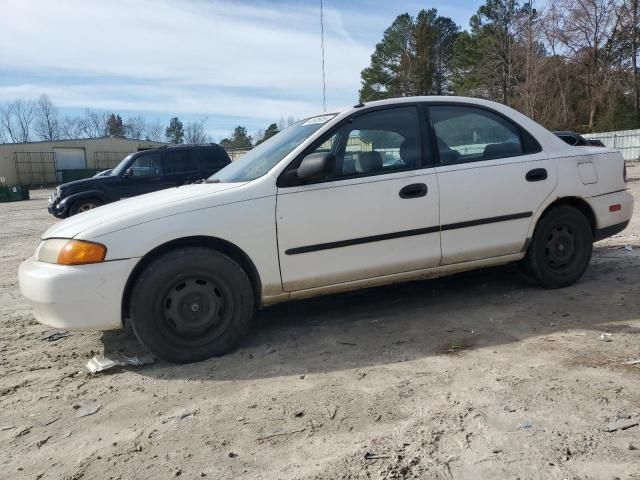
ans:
x=423 y=132
x=530 y=144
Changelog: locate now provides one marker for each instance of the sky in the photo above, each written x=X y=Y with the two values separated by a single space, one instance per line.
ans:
x=230 y=62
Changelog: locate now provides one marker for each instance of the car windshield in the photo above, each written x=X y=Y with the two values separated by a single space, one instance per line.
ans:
x=122 y=166
x=268 y=154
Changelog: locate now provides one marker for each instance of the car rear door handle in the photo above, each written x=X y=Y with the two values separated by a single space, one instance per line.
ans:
x=414 y=190
x=536 y=175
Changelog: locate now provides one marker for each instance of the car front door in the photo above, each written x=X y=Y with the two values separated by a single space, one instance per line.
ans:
x=493 y=176
x=143 y=175
x=376 y=214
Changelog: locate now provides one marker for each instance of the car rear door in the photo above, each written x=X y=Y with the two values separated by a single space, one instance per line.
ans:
x=377 y=214
x=493 y=176
x=180 y=166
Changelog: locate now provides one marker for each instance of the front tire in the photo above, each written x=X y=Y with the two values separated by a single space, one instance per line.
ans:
x=561 y=248
x=191 y=304
x=84 y=205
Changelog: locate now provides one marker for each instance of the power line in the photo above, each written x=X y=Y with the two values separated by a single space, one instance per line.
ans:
x=324 y=84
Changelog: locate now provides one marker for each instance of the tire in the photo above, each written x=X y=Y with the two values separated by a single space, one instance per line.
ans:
x=561 y=248
x=191 y=304
x=84 y=205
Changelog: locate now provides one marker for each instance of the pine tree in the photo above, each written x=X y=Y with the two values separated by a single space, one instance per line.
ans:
x=175 y=131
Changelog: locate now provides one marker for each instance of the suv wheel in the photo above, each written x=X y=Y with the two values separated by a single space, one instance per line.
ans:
x=84 y=205
x=191 y=304
x=561 y=248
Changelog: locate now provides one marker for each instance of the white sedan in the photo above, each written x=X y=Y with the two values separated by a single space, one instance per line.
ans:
x=383 y=192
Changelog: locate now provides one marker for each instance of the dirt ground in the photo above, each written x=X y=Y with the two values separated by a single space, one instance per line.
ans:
x=474 y=376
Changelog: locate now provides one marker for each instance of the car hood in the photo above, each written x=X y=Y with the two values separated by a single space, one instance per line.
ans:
x=85 y=184
x=142 y=208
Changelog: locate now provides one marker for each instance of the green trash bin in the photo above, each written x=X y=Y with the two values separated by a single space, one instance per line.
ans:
x=14 y=194
x=4 y=194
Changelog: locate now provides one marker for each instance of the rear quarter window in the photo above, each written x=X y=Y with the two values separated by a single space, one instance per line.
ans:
x=213 y=159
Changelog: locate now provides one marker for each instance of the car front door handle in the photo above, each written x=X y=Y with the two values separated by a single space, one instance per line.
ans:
x=536 y=175
x=414 y=190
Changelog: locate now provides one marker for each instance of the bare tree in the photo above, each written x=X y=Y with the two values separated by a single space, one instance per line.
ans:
x=195 y=132
x=16 y=118
x=6 y=119
x=155 y=131
x=73 y=127
x=47 y=124
x=95 y=124
x=135 y=127
x=585 y=28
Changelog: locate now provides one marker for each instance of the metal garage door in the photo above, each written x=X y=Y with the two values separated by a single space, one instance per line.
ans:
x=70 y=158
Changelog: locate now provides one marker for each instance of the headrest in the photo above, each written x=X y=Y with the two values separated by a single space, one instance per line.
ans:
x=410 y=152
x=499 y=150
x=369 y=162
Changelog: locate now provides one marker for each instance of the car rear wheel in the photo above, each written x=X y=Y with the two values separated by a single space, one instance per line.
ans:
x=84 y=205
x=561 y=248
x=191 y=304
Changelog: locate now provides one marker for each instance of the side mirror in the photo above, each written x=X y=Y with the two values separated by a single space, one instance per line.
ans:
x=316 y=166
x=128 y=173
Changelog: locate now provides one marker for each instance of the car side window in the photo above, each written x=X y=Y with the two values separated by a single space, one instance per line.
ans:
x=468 y=134
x=179 y=161
x=146 y=165
x=379 y=142
x=212 y=159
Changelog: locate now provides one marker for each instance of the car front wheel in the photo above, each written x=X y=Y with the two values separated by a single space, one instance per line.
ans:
x=561 y=248
x=191 y=304
x=84 y=205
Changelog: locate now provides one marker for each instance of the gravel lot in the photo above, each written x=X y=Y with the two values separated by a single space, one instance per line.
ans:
x=474 y=376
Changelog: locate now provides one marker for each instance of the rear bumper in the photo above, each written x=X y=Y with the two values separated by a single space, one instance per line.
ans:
x=85 y=297
x=609 y=231
x=609 y=223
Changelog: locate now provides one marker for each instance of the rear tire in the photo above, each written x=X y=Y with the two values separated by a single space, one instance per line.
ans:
x=84 y=205
x=561 y=248
x=191 y=304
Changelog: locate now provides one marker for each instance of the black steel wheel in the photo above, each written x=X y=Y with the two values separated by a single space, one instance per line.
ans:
x=191 y=304
x=561 y=247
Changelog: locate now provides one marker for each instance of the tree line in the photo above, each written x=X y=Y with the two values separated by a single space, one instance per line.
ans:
x=26 y=120
x=568 y=64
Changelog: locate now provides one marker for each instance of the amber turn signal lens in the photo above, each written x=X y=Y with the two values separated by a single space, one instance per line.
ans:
x=78 y=252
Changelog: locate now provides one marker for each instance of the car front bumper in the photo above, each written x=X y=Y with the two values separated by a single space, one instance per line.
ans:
x=80 y=298
x=58 y=208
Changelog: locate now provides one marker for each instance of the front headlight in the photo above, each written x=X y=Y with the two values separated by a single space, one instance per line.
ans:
x=70 y=252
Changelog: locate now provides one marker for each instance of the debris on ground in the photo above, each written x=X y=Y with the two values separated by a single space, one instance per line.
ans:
x=628 y=248
x=373 y=456
x=525 y=425
x=23 y=431
x=633 y=362
x=88 y=409
x=181 y=414
x=40 y=443
x=56 y=336
x=99 y=363
x=606 y=337
x=621 y=425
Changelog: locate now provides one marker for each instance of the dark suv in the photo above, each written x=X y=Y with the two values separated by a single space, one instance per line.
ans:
x=138 y=173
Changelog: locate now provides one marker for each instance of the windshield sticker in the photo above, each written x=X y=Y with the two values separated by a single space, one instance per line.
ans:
x=320 y=119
